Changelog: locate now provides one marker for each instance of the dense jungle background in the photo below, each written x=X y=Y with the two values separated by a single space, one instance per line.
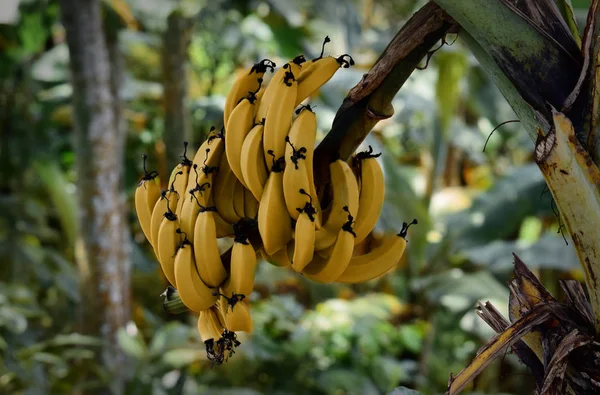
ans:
x=172 y=63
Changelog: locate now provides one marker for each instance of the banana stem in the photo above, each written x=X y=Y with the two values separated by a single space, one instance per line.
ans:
x=371 y=99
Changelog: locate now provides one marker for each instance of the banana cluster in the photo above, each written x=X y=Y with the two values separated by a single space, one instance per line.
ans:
x=252 y=184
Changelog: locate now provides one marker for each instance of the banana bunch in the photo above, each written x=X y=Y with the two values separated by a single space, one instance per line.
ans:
x=253 y=183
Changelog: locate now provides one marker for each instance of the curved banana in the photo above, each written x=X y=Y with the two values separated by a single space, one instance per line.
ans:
x=195 y=198
x=179 y=177
x=147 y=194
x=223 y=191
x=238 y=199
x=167 y=243
x=252 y=161
x=209 y=325
x=196 y=295
x=274 y=222
x=240 y=123
x=243 y=266
x=383 y=257
x=304 y=236
x=224 y=228
x=279 y=115
x=247 y=82
x=294 y=66
x=329 y=269
x=345 y=194
x=206 y=249
x=167 y=202
x=372 y=193
x=238 y=317
x=207 y=158
x=279 y=258
x=250 y=205
x=299 y=149
x=317 y=72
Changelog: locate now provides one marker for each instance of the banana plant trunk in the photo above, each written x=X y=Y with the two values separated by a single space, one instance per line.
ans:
x=102 y=251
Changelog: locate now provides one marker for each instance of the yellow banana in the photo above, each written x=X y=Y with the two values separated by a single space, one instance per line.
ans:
x=223 y=227
x=294 y=66
x=372 y=193
x=238 y=199
x=207 y=158
x=147 y=194
x=206 y=249
x=238 y=317
x=279 y=114
x=240 y=123
x=304 y=236
x=223 y=190
x=250 y=205
x=345 y=194
x=209 y=325
x=274 y=222
x=297 y=175
x=246 y=82
x=383 y=257
x=279 y=258
x=317 y=72
x=252 y=161
x=196 y=295
x=195 y=198
x=328 y=269
x=179 y=178
x=168 y=201
x=243 y=266
x=167 y=243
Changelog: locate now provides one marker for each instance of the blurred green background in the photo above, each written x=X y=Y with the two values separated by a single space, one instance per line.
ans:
x=410 y=328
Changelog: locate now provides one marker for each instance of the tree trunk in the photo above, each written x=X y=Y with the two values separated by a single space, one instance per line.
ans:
x=174 y=61
x=102 y=254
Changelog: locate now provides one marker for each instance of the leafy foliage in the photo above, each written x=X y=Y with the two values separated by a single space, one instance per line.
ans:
x=410 y=328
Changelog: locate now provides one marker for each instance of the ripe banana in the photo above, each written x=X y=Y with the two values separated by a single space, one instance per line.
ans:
x=196 y=295
x=238 y=199
x=250 y=205
x=179 y=178
x=243 y=266
x=168 y=241
x=240 y=123
x=299 y=150
x=238 y=317
x=209 y=325
x=207 y=158
x=318 y=71
x=279 y=258
x=247 y=82
x=329 y=269
x=294 y=66
x=252 y=161
x=345 y=194
x=223 y=191
x=206 y=249
x=372 y=192
x=147 y=194
x=279 y=114
x=195 y=198
x=223 y=227
x=274 y=223
x=304 y=237
x=383 y=257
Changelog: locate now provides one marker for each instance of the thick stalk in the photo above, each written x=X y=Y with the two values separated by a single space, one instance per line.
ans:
x=103 y=251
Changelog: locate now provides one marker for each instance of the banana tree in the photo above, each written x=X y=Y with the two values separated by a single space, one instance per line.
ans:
x=532 y=51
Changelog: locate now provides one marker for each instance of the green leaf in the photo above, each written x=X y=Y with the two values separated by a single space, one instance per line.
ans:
x=404 y=391
x=132 y=345
x=179 y=358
